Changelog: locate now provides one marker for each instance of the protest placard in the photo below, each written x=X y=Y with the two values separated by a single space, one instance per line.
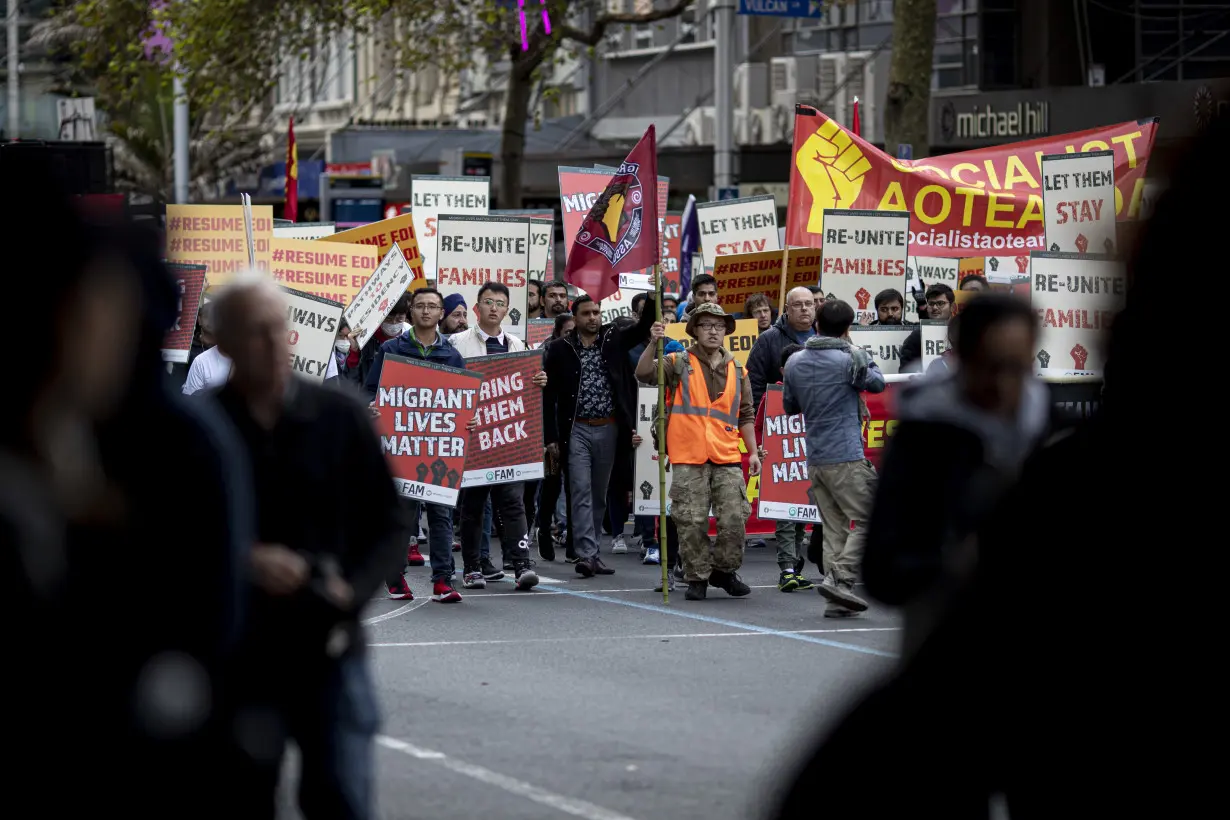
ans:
x=507 y=443
x=335 y=272
x=538 y=331
x=214 y=236
x=1076 y=297
x=640 y=280
x=1005 y=270
x=934 y=338
x=474 y=250
x=672 y=241
x=784 y=483
x=739 y=343
x=189 y=282
x=961 y=299
x=312 y=325
x=424 y=410
x=733 y=226
x=542 y=241
x=432 y=195
x=741 y=275
x=645 y=496
x=933 y=270
x=883 y=342
x=304 y=230
x=968 y=266
x=1078 y=202
x=864 y=253
x=377 y=297
x=385 y=234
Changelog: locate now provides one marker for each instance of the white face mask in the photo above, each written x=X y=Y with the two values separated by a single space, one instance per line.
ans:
x=342 y=345
x=391 y=329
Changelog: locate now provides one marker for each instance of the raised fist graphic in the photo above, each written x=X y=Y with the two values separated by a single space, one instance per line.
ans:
x=1054 y=247
x=1108 y=245
x=1082 y=243
x=1022 y=264
x=1079 y=356
x=862 y=296
x=1044 y=359
x=438 y=469
x=833 y=168
x=452 y=478
x=421 y=472
x=646 y=490
x=993 y=261
x=515 y=315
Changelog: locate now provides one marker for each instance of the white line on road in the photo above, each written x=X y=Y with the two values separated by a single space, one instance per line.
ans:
x=575 y=639
x=401 y=610
x=567 y=805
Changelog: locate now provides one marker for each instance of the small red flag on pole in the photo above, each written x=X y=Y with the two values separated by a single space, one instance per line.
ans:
x=291 y=210
x=856 y=125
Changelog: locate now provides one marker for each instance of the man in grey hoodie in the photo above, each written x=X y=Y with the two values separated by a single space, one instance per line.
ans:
x=823 y=382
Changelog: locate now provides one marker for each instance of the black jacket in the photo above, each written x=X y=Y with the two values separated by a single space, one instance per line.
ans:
x=563 y=366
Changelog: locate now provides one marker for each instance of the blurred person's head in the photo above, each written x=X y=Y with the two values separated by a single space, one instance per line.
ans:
x=456 y=314
x=995 y=336
x=395 y=323
x=557 y=299
x=704 y=289
x=670 y=307
x=889 y=306
x=564 y=324
x=939 y=302
x=788 y=351
x=533 y=298
x=250 y=320
x=974 y=283
x=624 y=322
x=492 y=307
x=638 y=303
x=588 y=315
x=800 y=308
x=817 y=293
x=426 y=309
x=758 y=307
x=834 y=318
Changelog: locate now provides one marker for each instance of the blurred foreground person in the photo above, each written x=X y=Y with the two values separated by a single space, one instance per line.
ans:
x=315 y=563
x=1066 y=679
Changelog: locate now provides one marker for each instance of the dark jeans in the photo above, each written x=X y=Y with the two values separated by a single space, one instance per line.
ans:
x=529 y=498
x=439 y=540
x=646 y=527
x=552 y=486
x=506 y=499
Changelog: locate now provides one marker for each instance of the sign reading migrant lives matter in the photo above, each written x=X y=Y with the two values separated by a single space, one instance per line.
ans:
x=336 y=272
x=312 y=325
x=424 y=410
x=507 y=443
x=214 y=236
x=376 y=298
x=934 y=338
x=739 y=343
x=1076 y=297
x=304 y=230
x=189 y=282
x=883 y=342
x=744 y=274
x=645 y=497
x=864 y=253
x=733 y=226
x=432 y=195
x=474 y=250
x=1078 y=202
x=783 y=481
x=385 y=234
x=542 y=241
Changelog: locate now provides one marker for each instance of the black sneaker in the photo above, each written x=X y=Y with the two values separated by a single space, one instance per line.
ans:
x=729 y=581
x=599 y=567
x=546 y=549
x=509 y=566
x=489 y=571
x=585 y=569
x=527 y=579
x=696 y=590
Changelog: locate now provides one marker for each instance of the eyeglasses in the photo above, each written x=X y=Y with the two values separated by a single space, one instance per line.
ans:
x=943 y=303
x=427 y=308
x=495 y=303
x=802 y=306
x=711 y=328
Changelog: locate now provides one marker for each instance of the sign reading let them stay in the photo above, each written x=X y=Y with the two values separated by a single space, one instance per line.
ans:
x=432 y=195
x=736 y=226
x=1078 y=202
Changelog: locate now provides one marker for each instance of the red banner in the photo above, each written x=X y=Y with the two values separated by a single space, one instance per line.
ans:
x=988 y=199
x=189 y=281
x=672 y=240
x=784 y=481
x=508 y=438
x=538 y=331
x=424 y=410
x=883 y=423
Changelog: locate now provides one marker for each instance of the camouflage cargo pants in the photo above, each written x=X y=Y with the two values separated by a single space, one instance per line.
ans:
x=695 y=488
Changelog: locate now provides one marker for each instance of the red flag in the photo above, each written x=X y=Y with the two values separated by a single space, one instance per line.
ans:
x=291 y=211
x=620 y=233
x=856 y=125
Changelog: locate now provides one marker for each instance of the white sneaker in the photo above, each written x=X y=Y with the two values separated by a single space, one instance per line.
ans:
x=674 y=585
x=474 y=580
x=652 y=556
x=618 y=547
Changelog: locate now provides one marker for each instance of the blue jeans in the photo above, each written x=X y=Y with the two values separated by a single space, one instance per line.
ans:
x=439 y=538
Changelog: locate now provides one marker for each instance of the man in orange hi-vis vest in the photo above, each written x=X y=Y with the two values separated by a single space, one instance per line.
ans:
x=709 y=399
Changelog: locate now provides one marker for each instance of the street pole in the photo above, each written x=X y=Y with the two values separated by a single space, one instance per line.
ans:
x=14 y=67
x=181 y=138
x=723 y=94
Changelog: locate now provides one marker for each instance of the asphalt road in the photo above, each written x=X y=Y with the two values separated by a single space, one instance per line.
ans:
x=589 y=698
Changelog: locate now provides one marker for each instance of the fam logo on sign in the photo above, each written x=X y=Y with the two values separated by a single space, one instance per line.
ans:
x=612 y=215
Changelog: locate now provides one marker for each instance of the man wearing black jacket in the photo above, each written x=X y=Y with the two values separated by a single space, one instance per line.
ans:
x=588 y=413
x=316 y=561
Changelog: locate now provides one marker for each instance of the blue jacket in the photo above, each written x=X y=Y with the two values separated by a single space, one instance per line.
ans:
x=823 y=384
x=440 y=352
x=670 y=346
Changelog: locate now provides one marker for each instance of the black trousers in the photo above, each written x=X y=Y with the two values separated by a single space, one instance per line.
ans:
x=506 y=501
x=552 y=486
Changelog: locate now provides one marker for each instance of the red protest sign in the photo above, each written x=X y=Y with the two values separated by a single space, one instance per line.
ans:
x=507 y=444
x=189 y=281
x=783 y=481
x=424 y=409
x=538 y=331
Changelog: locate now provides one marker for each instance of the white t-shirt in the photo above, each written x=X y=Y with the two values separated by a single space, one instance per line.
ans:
x=212 y=369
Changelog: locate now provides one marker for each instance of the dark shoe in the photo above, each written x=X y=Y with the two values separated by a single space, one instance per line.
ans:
x=696 y=590
x=527 y=579
x=678 y=571
x=835 y=611
x=600 y=568
x=546 y=549
x=489 y=571
x=729 y=581
x=585 y=569
x=840 y=593
x=508 y=566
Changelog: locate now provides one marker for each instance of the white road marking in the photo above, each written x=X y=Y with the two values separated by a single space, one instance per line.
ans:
x=559 y=802
x=401 y=610
x=494 y=642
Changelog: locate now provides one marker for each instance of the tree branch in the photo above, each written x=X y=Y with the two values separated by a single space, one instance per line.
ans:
x=598 y=29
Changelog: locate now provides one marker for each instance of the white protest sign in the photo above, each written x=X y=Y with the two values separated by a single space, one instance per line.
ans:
x=474 y=250
x=734 y=226
x=1078 y=202
x=313 y=329
x=1004 y=270
x=645 y=497
x=883 y=342
x=304 y=230
x=378 y=296
x=921 y=273
x=432 y=195
x=934 y=341
x=542 y=241
x=1076 y=297
x=864 y=253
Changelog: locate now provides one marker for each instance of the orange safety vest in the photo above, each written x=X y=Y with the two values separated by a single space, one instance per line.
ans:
x=700 y=430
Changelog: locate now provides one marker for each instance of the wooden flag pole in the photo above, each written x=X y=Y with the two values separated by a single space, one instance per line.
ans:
x=660 y=426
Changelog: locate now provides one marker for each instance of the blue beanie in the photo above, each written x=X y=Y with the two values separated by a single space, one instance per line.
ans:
x=452 y=301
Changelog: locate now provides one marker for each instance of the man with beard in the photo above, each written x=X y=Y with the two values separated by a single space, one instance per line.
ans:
x=534 y=300
x=940 y=300
x=890 y=308
x=556 y=300
x=456 y=315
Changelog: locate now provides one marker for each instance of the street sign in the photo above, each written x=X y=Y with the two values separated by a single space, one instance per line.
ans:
x=905 y=150
x=811 y=9
x=727 y=193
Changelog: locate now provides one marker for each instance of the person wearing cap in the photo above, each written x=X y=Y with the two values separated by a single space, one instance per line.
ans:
x=710 y=408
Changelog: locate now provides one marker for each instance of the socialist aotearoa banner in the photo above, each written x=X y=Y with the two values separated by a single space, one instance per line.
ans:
x=312 y=324
x=424 y=410
x=542 y=241
x=989 y=199
x=475 y=250
x=385 y=234
x=432 y=195
x=334 y=272
x=732 y=226
x=1078 y=202
x=304 y=230
x=189 y=281
x=538 y=331
x=1076 y=297
x=739 y=343
x=375 y=299
x=883 y=342
x=214 y=236
x=784 y=483
x=864 y=253
x=506 y=445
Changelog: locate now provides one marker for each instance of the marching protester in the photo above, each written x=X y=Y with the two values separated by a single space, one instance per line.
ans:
x=535 y=300
x=456 y=315
x=556 y=295
x=890 y=308
x=314 y=564
x=974 y=283
x=424 y=342
x=704 y=292
x=823 y=382
x=794 y=326
x=759 y=308
x=209 y=368
x=939 y=302
x=489 y=338
x=710 y=412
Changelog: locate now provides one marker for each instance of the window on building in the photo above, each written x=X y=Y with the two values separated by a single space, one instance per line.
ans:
x=1175 y=39
x=642 y=34
x=955 y=60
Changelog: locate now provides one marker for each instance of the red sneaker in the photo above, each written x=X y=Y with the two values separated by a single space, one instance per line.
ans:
x=413 y=557
x=443 y=592
x=400 y=591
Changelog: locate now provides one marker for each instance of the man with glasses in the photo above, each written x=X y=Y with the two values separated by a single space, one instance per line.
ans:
x=794 y=326
x=940 y=300
x=710 y=410
x=423 y=341
x=490 y=338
